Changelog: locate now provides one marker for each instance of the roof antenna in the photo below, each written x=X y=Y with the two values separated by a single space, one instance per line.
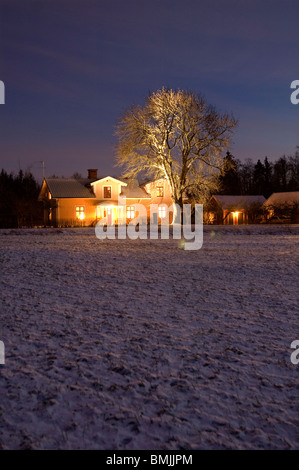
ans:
x=43 y=166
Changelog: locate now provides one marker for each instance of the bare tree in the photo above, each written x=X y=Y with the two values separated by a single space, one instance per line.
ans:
x=77 y=176
x=178 y=136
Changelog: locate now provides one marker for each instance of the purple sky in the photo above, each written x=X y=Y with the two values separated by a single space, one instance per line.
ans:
x=72 y=67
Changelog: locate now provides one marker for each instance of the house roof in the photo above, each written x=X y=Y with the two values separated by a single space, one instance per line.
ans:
x=107 y=178
x=69 y=187
x=133 y=190
x=241 y=202
x=290 y=197
x=78 y=188
x=129 y=186
x=146 y=181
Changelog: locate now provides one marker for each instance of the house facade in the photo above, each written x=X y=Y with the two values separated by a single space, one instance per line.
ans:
x=234 y=210
x=83 y=202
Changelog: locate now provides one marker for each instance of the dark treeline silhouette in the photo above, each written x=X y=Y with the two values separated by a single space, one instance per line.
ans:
x=19 y=206
x=262 y=177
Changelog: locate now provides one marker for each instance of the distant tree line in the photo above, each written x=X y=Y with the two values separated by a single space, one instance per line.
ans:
x=19 y=206
x=263 y=177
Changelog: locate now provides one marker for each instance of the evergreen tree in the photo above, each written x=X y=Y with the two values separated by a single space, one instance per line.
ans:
x=18 y=200
x=293 y=165
x=268 y=187
x=280 y=173
x=229 y=178
x=259 y=178
x=246 y=177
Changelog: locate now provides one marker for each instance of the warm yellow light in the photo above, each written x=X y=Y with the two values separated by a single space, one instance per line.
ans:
x=235 y=217
x=80 y=213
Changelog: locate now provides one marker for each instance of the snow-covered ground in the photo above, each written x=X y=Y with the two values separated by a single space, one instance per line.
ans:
x=122 y=344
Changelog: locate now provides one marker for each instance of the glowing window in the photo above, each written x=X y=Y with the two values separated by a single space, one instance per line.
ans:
x=130 y=212
x=107 y=192
x=80 y=212
x=162 y=212
x=160 y=191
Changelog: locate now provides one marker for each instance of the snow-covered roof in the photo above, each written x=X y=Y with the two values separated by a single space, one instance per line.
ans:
x=107 y=178
x=228 y=201
x=290 y=197
x=133 y=190
x=77 y=188
x=148 y=180
x=68 y=187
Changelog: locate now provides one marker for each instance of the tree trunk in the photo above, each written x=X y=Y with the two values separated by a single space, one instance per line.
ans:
x=177 y=215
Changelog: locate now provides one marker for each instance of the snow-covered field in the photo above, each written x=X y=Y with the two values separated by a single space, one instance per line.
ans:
x=122 y=344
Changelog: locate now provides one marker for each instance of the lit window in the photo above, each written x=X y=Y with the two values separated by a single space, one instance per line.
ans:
x=160 y=191
x=107 y=192
x=80 y=213
x=162 y=212
x=130 y=212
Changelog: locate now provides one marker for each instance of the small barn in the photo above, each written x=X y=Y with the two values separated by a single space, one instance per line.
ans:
x=234 y=210
x=283 y=207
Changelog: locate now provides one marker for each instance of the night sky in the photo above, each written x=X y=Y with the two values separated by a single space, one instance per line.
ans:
x=72 y=67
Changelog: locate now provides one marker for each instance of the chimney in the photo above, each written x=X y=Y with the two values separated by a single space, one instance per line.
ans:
x=93 y=174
